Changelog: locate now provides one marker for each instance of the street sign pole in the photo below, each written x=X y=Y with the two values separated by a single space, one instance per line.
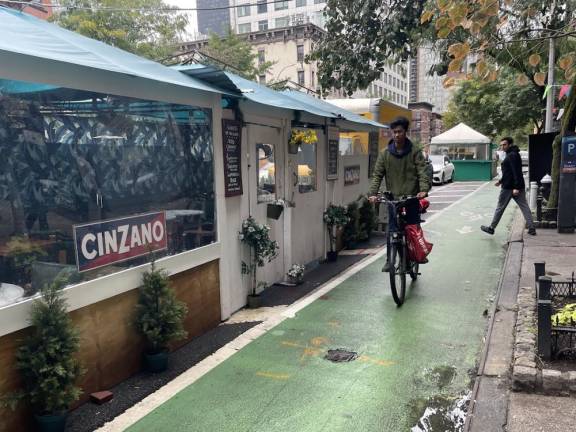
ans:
x=551 y=60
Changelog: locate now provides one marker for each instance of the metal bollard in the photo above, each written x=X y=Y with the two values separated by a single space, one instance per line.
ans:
x=539 y=206
x=533 y=195
x=539 y=270
x=544 y=318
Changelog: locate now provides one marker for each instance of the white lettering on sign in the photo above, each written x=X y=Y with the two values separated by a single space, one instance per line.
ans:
x=571 y=147
x=121 y=240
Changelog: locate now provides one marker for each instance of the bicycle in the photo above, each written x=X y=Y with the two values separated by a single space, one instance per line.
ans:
x=397 y=249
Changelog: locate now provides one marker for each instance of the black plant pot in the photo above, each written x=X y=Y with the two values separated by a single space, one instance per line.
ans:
x=331 y=256
x=254 y=301
x=157 y=362
x=51 y=423
x=273 y=211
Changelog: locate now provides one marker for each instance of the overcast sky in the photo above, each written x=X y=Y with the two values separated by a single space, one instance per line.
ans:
x=193 y=25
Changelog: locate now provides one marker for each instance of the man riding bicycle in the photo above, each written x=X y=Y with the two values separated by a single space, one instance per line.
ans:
x=403 y=167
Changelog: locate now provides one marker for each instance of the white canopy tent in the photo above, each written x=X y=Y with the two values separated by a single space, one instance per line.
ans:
x=461 y=143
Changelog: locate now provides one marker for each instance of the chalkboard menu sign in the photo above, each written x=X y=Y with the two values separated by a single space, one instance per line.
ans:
x=372 y=151
x=232 y=140
x=333 y=153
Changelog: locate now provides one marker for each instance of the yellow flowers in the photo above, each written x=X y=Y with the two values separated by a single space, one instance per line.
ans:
x=566 y=316
x=300 y=136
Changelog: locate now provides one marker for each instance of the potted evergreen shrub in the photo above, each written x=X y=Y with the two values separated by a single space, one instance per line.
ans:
x=159 y=317
x=262 y=250
x=335 y=218
x=368 y=219
x=47 y=360
x=350 y=231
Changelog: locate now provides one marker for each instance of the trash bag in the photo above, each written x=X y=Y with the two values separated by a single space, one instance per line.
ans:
x=418 y=247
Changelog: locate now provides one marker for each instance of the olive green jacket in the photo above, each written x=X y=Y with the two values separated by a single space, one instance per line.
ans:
x=405 y=175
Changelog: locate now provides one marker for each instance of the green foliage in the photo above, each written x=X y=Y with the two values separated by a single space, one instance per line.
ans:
x=262 y=248
x=335 y=217
x=565 y=316
x=368 y=218
x=159 y=314
x=46 y=361
x=496 y=107
x=144 y=30
x=361 y=38
x=351 y=230
x=235 y=53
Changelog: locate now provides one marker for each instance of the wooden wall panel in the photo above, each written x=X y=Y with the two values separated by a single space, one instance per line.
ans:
x=110 y=347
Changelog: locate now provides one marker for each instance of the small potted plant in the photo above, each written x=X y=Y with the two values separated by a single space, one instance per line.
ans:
x=275 y=209
x=335 y=218
x=47 y=360
x=350 y=231
x=262 y=250
x=295 y=274
x=368 y=219
x=159 y=317
x=299 y=137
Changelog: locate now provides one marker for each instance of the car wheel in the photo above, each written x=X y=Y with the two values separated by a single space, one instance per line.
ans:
x=451 y=177
x=442 y=179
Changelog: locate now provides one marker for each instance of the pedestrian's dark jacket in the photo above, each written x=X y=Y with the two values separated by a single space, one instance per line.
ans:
x=512 y=177
x=404 y=172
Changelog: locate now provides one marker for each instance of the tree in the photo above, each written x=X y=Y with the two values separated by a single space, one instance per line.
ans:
x=496 y=108
x=143 y=27
x=234 y=53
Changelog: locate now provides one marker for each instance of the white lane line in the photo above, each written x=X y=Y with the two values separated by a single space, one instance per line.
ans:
x=448 y=196
x=442 y=202
x=154 y=400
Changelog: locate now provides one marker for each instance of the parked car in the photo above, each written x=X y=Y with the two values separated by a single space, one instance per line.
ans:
x=443 y=169
x=429 y=169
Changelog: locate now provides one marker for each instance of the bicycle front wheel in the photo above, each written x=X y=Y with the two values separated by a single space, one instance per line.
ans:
x=397 y=273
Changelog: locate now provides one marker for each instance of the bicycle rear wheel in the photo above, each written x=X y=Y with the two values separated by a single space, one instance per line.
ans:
x=397 y=273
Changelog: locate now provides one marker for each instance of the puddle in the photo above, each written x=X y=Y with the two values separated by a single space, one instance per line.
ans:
x=440 y=413
x=341 y=355
x=442 y=376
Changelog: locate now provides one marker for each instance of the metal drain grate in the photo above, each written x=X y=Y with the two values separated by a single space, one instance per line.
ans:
x=341 y=355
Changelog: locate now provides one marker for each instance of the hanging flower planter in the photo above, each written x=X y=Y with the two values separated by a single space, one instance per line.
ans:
x=273 y=211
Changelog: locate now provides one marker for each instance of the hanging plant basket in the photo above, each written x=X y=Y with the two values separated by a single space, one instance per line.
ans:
x=273 y=211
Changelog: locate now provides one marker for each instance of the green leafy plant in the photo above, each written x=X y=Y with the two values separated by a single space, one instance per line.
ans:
x=367 y=218
x=159 y=314
x=262 y=248
x=47 y=359
x=23 y=253
x=335 y=217
x=565 y=316
x=351 y=229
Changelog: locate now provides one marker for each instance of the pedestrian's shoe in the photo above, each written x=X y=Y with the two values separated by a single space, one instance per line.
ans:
x=386 y=268
x=532 y=231
x=489 y=229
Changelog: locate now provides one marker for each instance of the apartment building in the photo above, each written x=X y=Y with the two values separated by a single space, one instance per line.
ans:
x=213 y=17
x=39 y=8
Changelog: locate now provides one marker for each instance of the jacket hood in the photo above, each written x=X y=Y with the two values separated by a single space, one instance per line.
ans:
x=393 y=151
x=513 y=148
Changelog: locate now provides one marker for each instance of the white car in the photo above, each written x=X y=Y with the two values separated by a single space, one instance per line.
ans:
x=443 y=169
x=524 y=157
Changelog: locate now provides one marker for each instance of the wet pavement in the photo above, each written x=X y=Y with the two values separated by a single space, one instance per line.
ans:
x=412 y=366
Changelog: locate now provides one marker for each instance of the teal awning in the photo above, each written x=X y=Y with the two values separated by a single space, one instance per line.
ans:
x=26 y=35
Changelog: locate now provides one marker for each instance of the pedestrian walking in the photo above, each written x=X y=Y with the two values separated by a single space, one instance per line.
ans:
x=513 y=187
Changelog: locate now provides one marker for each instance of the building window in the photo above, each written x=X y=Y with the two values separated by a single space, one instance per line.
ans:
x=300 y=53
x=300 y=3
x=282 y=22
x=307 y=167
x=262 y=79
x=245 y=28
x=281 y=5
x=301 y=78
x=243 y=10
x=261 y=56
x=263 y=25
x=77 y=158
x=265 y=162
x=262 y=6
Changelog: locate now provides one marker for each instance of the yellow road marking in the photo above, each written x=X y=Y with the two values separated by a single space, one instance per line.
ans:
x=280 y=377
x=378 y=362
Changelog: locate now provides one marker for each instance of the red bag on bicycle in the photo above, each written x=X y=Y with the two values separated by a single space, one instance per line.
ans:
x=418 y=247
x=424 y=204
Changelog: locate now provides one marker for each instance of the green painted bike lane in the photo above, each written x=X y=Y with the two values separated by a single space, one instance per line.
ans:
x=411 y=358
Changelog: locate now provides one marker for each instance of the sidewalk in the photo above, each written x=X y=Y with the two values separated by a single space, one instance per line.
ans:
x=496 y=407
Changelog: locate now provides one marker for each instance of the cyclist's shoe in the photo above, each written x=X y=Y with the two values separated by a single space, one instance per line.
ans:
x=532 y=231
x=386 y=268
x=487 y=229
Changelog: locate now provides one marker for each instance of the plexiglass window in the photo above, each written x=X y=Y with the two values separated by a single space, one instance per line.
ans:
x=266 y=172
x=75 y=158
x=307 y=167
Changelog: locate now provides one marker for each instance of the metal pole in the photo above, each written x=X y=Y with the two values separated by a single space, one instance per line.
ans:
x=544 y=318
x=539 y=270
x=551 y=60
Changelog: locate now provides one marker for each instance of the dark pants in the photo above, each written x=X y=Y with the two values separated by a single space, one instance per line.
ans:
x=503 y=200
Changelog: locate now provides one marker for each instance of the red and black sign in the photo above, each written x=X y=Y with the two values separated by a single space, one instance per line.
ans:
x=101 y=243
